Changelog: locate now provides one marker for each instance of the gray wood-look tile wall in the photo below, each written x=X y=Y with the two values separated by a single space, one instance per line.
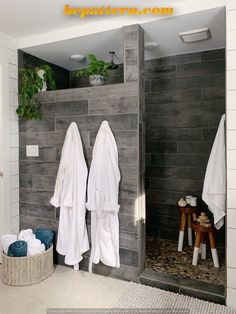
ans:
x=118 y=104
x=184 y=101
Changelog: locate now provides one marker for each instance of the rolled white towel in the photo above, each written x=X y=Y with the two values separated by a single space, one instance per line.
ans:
x=35 y=247
x=7 y=240
x=26 y=235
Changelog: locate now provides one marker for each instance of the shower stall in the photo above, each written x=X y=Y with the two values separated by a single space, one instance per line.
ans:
x=184 y=102
x=164 y=113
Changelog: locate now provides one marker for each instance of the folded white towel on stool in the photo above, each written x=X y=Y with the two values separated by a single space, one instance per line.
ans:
x=35 y=247
x=7 y=240
x=26 y=235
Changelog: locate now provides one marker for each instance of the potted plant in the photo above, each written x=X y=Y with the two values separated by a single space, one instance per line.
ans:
x=96 y=70
x=33 y=81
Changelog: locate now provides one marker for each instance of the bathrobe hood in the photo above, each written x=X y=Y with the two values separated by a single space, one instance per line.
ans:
x=215 y=178
x=70 y=196
x=102 y=199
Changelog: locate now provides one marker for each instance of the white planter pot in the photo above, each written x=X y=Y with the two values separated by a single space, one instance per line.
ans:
x=41 y=73
x=96 y=80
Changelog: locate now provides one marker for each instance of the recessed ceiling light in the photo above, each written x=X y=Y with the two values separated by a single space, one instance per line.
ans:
x=150 y=45
x=195 y=35
x=77 y=58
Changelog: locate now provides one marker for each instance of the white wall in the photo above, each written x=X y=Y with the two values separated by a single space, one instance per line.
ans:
x=14 y=141
x=231 y=151
x=11 y=135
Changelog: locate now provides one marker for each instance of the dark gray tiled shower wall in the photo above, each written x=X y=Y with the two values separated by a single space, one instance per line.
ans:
x=37 y=175
x=184 y=101
x=118 y=104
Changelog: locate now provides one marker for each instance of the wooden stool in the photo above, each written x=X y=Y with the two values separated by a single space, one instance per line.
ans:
x=188 y=214
x=201 y=232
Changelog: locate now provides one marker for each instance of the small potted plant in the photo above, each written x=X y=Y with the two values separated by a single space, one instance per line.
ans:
x=96 y=70
x=32 y=81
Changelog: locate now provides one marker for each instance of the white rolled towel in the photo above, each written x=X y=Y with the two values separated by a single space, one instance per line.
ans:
x=26 y=235
x=35 y=247
x=7 y=240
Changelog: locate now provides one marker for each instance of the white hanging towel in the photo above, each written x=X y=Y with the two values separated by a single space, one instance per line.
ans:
x=103 y=190
x=215 y=178
x=70 y=196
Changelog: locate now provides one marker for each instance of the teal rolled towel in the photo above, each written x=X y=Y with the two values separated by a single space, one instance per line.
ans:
x=45 y=236
x=17 y=249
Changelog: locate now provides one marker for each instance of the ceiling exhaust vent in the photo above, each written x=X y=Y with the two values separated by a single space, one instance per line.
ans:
x=195 y=35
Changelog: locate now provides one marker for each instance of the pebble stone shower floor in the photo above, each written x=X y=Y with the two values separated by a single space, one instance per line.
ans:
x=162 y=256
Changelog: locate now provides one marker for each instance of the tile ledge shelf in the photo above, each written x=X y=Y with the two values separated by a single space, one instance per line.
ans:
x=88 y=93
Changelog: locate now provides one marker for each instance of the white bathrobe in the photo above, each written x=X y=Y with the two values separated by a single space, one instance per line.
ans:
x=215 y=178
x=70 y=196
x=103 y=190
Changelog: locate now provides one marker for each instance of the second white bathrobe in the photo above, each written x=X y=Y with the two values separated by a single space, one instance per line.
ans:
x=70 y=196
x=103 y=190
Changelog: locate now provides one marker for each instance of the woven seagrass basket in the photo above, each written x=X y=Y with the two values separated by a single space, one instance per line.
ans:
x=28 y=270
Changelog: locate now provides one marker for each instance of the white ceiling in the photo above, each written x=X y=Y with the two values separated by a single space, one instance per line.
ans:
x=22 y=18
x=164 y=31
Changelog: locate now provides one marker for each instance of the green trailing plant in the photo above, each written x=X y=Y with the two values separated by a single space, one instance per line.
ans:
x=30 y=84
x=95 y=67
